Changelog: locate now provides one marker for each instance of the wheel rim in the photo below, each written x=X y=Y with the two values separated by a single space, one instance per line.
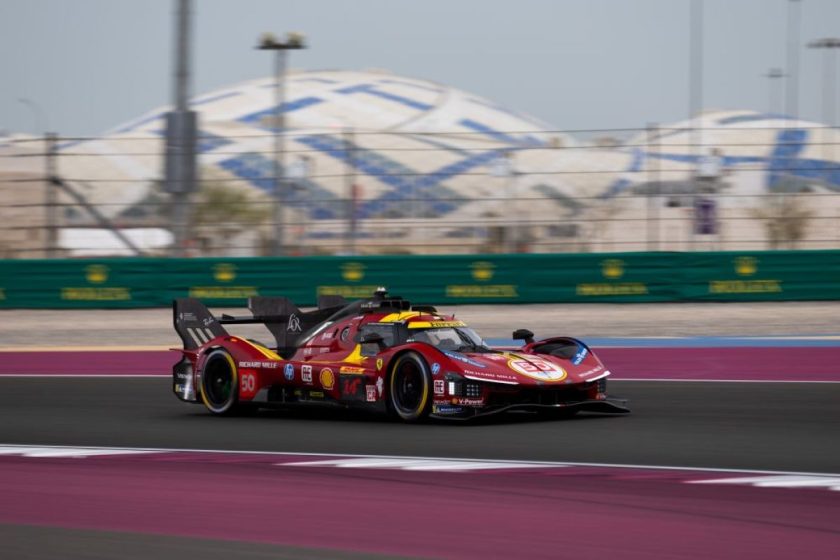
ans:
x=409 y=387
x=219 y=382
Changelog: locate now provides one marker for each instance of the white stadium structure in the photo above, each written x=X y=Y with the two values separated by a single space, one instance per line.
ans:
x=439 y=170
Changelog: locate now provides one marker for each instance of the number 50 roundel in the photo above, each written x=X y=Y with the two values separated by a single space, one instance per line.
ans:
x=537 y=368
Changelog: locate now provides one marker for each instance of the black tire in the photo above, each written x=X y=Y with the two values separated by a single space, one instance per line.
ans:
x=220 y=383
x=410 y=388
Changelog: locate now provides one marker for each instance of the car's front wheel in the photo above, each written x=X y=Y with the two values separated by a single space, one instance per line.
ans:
x=409 y=388
x=220 y=383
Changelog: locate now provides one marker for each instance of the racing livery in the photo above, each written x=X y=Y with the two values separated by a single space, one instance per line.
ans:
x=382 y=354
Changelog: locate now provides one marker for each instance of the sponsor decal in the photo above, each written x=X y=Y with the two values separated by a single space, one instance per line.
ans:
x=289 y=372
x=482 y=270
x=351 y=386
x=745 y=267
x=469 y=402
x=264 y=365
x=379 y=386
x=327 y=379
x=349 y=292
x=464 y=359
x=537 y=368
x=224 y=272
x=370 y=393
x=617 y=289
x=495 y=375
x=294 y=324
x=439 y=387
x=580 y=355
x=96 y=294
x=446 y=409
x=435 y=324
x=96 y=273
x=482 y=291
x=316 y=395
x=223 y=292
x=327 y=335
x=247 y=384
x=306 y=374
x=588 y=372
x=352 y=370
x=379 y=364
x=435 y=369
x=745 y=287
x=352 y=271
x=612 y=270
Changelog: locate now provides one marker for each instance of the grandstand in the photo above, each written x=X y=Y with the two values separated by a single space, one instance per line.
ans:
x=405 y=165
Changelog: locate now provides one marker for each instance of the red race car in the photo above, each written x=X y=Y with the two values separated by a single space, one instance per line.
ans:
x=381 y=354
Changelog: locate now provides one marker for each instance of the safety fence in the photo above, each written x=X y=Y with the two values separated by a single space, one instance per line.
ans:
x=451 y=279
x=747 y=183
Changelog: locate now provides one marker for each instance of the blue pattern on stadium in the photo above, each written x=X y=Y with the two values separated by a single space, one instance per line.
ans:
x=316 y=201
x=527 y=141
x=137 y=124
x=622 y=182
x=414 y=193
x=371 y=89
x=783 y=161
x=255 y=119
x=208 y=142
x=162 y=114
x=205 y=142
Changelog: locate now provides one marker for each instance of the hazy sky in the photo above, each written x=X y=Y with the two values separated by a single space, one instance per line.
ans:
x=577 y=64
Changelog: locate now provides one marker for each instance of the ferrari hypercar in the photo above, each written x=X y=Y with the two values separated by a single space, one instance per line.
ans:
x=383 y=354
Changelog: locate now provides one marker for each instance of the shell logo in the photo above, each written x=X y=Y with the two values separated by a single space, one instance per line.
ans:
x=482 y=270
x=96 y=273
x=612 y=268
x=352 y=272
x=746 y=266
x=224 y=272
x=327 y=378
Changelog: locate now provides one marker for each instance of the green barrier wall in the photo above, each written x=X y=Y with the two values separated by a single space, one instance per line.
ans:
x=452 y=279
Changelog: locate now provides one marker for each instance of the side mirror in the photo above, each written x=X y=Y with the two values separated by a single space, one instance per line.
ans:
x=523 y=334
x=374 y=338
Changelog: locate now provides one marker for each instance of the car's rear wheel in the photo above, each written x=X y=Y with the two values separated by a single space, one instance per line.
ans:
x=220 y=383
x=409 y=388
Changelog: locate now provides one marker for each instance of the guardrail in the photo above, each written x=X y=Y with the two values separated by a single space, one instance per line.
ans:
x=454 y=279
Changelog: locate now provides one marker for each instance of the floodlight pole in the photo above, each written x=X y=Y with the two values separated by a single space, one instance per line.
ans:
x=269 y=43
x=829 y=46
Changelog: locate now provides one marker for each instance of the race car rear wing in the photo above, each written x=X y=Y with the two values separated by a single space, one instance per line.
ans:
x=286 y=322
x=196 y=325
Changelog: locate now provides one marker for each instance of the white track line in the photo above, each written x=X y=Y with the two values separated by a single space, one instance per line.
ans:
x=503 y=463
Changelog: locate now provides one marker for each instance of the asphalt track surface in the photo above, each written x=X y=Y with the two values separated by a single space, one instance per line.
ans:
x=753 y=426
x=778 y=426
x=764 y=426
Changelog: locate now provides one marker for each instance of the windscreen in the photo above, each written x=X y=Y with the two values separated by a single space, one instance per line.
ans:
x=449 y=338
